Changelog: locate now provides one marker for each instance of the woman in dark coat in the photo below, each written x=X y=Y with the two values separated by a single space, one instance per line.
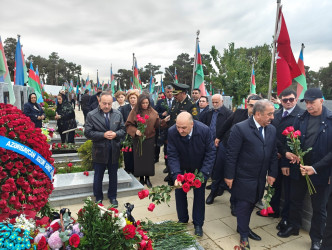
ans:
x=65 y=116
x=144 y=157
x=33 y=110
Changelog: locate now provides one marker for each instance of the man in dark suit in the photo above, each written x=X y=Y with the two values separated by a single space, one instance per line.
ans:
x=203 y=106
x=190 y=148
x=222 y=137
x=196 y=95
x=85 y=103
x=215 y=119
x=251 y=155
x=315 y=125
x=283 y=118
x=94 y=101
x=105 y=127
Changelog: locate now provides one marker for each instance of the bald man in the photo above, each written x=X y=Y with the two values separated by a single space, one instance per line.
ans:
x=190 y=147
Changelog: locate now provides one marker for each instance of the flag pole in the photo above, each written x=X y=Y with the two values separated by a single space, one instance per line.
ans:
x=273 y=51
x=195 y=59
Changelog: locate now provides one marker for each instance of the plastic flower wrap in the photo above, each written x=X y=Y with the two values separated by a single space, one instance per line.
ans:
x=45 y=131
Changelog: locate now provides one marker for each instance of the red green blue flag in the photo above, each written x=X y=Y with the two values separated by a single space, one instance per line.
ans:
x=136 y=81
x=176 y=76
x=301 y=89
x=4 y=74
x=33 y=83
x=112 y=81
x=20 y=73
x=199 y=74
x=151 y=87
x=253 y=81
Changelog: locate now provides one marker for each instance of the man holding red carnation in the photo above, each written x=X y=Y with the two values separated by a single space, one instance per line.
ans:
x=315 y=126
x=251 y=156
x=190 y=147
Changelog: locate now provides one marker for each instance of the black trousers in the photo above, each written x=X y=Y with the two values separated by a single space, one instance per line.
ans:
x=327 y=237
x=85 y=113
x=282 y=183
x=69 y=139
x=73 y=103
x=218 y=169
x=128 y=158
x=318 y=202
x=243 y=210
x=198 y=207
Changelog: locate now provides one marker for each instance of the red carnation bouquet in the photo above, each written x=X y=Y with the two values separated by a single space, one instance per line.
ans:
x=141 y=126
x=164 y=103
x=24 y=186
x=294 y=144
x=162 y=194
x=127 y=144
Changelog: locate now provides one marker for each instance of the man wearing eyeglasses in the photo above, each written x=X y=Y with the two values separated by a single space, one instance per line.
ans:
x=283 y=118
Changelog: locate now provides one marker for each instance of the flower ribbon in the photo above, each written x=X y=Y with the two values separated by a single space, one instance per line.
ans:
x=29 y=153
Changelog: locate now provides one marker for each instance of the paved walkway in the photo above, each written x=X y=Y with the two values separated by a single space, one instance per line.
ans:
x=219 y=227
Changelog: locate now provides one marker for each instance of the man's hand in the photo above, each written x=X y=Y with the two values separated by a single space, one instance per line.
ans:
x=164 y=114
x=138 y=133
x=229 y=182
x=292 y=157
x=279 y=156
x=177 y=183
x=110 y=135
x=285 y=171
x=167 y=118
x=307 y=170
x=270 y=180
x=216 y=142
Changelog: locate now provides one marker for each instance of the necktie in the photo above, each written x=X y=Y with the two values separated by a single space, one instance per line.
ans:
x=213 y=124
x=261 y=131
x=107 y=121
x=169 y=103
x=285 y=114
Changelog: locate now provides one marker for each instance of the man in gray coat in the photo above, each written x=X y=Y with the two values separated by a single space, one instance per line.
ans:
x=105 y=127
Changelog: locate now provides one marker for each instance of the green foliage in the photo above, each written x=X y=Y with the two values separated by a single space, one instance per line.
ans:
x=85 y=154
x=47 y=210
x=50 y=113
x=159 y=194
x=169 y=235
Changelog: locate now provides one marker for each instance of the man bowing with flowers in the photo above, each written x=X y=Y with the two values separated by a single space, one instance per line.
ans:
x=190 y=147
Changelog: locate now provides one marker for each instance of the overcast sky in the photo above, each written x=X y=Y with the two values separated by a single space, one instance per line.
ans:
x=96 y=34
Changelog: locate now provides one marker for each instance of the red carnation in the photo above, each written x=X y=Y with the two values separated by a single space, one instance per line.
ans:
x=9 y=165
x=11 y=134
x=296 y=134
x=74 y=240
x=4 y=195
x=190 y=177
x=180 y=178
x=42 y=244
x=151 y=207
x=55 y=226
x=70 y=164
x=59 y=145
x=4 y=158
x=13 y=172
x=3 y=204
x=285 y=132
x=146 y=117
x=129 y=231
x=197 y=183
x=186 y=187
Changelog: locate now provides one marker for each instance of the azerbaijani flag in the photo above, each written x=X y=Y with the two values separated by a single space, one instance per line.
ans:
x=4 y=74
x=136 y=80
x=151 y=87
x=33 y=83
x=39 y=82
x=162 y=84
x=20 y=73
x=287 y=68
x=253 y=82
x=199 y=74
x=112 y=81
x=301 y=89
x=98 y=83
x=176 y=76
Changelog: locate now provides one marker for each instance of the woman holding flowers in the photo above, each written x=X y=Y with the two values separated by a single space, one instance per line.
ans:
x=141 y=126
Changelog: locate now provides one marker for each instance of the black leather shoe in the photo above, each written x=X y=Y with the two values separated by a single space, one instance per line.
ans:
x=148 y=182
x=315 y=245
x=165 y=171
x=210 y=198
x=208 y=187
x=288 y=231
x=282 y=225
x=274 y=215
x=114 y=202
x=167 y=178
x=198 y=231
x=244 y=244
x=252 y=235
x=233 y=210
x=141 y=180
x=220 y=192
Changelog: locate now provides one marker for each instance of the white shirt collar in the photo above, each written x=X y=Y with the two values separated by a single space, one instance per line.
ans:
x=288 y=110
x=256 y=123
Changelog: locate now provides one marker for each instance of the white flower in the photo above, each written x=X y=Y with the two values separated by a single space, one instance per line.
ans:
x=121 y=222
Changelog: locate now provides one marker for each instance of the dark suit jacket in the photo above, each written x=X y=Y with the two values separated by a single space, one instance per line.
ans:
x=282 y=123
x=238 y=116
x=187 y=155
x=249 y=158
x=125 y=110
x=160 y=108
x=203 y=112
x=223 y=115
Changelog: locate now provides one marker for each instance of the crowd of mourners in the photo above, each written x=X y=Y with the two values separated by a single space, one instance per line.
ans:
x=241 y=150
